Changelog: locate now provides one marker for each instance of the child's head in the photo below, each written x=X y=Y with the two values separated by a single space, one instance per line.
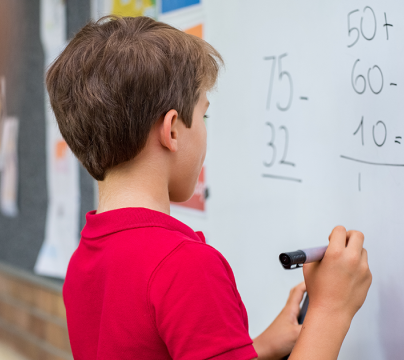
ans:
x=117 y=78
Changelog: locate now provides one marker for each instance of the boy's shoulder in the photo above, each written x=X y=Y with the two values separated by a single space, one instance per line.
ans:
x=145 y=239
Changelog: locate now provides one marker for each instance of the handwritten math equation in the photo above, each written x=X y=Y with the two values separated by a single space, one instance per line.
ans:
x=276 y=155
x=367 y=77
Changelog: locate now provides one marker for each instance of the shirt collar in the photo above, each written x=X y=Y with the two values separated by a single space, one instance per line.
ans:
x=109 y=222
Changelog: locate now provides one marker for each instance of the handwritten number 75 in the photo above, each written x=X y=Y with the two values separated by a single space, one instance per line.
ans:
x=282 y=75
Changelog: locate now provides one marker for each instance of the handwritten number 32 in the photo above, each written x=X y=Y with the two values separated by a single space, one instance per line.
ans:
x=273 y=147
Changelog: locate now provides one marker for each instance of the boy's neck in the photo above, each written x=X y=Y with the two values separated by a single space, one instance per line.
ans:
x=137 y=183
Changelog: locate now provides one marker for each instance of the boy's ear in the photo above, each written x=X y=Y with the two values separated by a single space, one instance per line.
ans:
x=169 y=131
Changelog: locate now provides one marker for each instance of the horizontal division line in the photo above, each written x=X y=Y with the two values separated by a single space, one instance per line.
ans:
x=370 y=162
x=281 y=177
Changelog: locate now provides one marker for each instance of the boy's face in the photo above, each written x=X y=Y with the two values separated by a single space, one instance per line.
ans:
x=191 y=153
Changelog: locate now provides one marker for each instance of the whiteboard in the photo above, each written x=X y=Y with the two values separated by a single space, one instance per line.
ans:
x=306 y=132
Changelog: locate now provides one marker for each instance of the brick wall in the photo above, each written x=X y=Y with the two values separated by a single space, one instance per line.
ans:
x=32 y=315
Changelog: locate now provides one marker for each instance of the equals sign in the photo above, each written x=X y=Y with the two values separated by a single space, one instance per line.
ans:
x=398 y=139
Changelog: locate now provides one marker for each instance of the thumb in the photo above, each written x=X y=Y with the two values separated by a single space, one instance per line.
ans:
x=299 y=329
x=295 y=298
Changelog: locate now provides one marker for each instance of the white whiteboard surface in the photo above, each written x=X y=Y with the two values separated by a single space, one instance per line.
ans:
x=251 y=218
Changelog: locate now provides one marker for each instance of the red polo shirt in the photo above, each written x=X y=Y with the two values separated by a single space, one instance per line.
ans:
x=142 y=285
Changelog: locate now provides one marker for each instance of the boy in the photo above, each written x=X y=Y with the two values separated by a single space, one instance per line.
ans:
x=129 y=96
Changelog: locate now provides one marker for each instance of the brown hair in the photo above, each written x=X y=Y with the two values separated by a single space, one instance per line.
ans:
x=117 y=77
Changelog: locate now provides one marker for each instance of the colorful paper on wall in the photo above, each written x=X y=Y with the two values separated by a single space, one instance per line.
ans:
x=171 y=5
x=195 y=30
x=62 y=219
x=134 y=8
x=124 y=8
x=2 y=112
x=9 y=173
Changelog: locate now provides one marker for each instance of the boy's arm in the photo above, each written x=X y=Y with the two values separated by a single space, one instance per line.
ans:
x=195 y=306
x=321 y=336
x=337 y=287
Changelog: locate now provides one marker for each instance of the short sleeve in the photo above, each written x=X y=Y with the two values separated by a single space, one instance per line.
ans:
x=196 y=307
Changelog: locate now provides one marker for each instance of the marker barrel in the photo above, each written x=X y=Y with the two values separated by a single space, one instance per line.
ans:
x=314 y=254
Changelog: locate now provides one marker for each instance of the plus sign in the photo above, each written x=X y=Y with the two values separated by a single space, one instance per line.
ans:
x=387 y=25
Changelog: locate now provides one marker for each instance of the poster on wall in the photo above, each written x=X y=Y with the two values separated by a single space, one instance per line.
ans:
x=171 y=5
x=8 y=157
x=2 y=112
x=124 y=8
x=9 y=171
x=62 y=218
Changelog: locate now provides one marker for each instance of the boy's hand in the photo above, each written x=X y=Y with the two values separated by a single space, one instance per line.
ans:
x=340 y=282
x=337 y=287
x=279 y=338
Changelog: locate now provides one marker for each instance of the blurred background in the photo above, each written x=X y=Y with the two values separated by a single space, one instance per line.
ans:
x=32 y=317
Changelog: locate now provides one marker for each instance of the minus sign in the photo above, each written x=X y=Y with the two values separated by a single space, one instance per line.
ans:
x=392 y=84
x=304 y=98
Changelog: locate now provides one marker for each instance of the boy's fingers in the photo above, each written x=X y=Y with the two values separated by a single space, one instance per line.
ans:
x=355 y=240
x=296 y=294
x=364 y=255
x=338 y=238
x=298 y=329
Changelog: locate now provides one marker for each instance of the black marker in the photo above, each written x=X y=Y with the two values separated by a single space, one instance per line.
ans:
x=294 y=259
x=297 y=258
